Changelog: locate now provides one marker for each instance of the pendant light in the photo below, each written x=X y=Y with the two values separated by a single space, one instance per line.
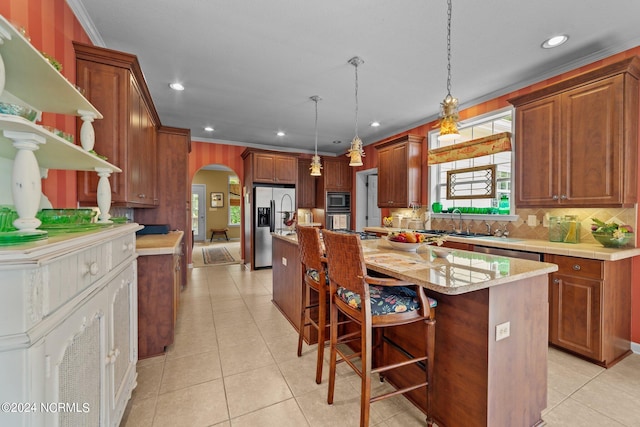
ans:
x=449 y=106
x=356 y=152
x=315 y=160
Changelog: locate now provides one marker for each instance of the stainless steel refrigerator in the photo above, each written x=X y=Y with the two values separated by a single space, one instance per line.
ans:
x=272 y=205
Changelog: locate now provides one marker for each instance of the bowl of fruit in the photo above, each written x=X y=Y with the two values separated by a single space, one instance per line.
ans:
x=405 y=240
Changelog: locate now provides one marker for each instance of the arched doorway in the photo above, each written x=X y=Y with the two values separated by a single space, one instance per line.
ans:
x=216 y=202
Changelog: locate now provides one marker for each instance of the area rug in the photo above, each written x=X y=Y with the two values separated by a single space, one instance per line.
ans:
x=217 y=256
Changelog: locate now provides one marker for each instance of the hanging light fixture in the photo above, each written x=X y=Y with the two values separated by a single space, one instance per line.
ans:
x=355 y=151
x=449 y=106
x=315 y=160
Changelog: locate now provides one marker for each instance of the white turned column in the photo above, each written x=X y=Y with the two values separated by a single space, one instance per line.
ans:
x=26 y=187
x=104 y=195
x=87 y=134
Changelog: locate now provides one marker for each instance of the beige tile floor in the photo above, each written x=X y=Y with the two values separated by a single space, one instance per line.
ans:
x=234 y=363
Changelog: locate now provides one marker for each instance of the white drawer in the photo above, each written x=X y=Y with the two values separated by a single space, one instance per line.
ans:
x=123 y=248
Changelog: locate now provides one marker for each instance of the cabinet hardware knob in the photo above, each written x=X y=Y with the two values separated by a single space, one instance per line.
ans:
x=92 y=269
x=556 y=281
x=576 y=267
x=127 y=247
x=142 y=196
x=555 y=197
x=563 y=197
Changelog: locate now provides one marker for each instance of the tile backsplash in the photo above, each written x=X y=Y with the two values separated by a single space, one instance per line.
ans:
x=521 y=229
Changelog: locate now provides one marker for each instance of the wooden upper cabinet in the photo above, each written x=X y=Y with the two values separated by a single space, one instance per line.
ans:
x=336 y=173
x=306 y=186
x=577 y=140
x=273 y=168
x=113 y=82
x=399 y=171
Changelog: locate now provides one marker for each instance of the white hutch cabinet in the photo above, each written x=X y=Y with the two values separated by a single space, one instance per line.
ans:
x=68 y=304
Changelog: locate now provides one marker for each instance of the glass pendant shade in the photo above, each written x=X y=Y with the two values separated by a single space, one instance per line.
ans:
x=449 y=119
x=315 y=166
x=355 y=152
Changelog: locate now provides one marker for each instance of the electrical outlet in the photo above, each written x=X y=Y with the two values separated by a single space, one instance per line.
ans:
x=503 y=330
x=545 y=220
x=532 y=220
x=284 y=261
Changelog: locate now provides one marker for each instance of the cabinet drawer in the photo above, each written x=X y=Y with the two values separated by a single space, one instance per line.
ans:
x=577 y=266
x=123 y=248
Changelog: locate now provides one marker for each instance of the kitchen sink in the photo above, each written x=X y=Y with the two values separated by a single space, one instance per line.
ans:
x=468 y=235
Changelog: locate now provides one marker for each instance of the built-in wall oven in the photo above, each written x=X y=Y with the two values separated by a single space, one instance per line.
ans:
x=338 y=211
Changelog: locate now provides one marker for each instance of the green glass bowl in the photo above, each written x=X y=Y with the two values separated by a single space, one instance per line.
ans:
x=607 y=240
x=66 y=216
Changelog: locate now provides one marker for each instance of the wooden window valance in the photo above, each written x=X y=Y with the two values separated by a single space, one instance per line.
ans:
x=491 y=144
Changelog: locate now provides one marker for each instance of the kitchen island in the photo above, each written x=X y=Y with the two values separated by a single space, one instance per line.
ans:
x=478 y=380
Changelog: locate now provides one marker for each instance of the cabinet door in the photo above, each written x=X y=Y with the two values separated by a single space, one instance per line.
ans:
x=592 y=157
x=107 y=89
x=122 y=353
x=337 y=175
x=385 y=178
x=264 y=167
x=538 y=153
x=141 y=153
x=75 y=353
x=306 y=187
x=399 y=172
x=286 y=169
x=575 y=309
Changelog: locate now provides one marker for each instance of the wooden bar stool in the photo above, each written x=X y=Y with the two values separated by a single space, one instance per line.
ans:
x=314 y=276
x=373 y=303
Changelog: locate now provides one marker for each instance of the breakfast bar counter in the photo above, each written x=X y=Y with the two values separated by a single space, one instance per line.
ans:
x=491 y=329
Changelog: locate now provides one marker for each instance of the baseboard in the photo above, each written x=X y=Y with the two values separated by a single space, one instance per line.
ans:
x=635 y=347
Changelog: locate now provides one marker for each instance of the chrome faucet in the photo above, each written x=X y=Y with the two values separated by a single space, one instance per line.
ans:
x=457 y=211
x=488 y=227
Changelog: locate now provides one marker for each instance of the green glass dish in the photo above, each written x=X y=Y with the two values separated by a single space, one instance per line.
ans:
x=66 y=216
x=607 y=240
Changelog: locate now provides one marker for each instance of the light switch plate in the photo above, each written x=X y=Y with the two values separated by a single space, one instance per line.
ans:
x=503 y=330
x=532 y=220
x=284 y=261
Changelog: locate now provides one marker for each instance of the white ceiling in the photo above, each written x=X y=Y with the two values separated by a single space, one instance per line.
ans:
x=250 y=66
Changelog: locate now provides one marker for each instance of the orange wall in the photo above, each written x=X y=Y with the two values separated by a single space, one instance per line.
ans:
x=52 y=26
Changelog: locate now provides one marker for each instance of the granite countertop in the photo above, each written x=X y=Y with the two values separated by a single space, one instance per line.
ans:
x=159 y=244
x=457 y=272
x=580 y=250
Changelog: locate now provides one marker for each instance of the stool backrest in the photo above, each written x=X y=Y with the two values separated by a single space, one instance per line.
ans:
x=310 y=247
x=346 y=262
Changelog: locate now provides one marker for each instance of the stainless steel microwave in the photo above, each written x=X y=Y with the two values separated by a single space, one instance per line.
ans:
x=338 y=201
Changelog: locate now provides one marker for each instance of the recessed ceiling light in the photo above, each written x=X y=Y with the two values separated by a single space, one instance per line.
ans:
x=176 y=86
x=208 y=128
x=374 y=124
x=555 y=41
x=280 y=133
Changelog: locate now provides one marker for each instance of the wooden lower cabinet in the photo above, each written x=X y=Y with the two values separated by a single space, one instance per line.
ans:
x=158 y=298
x=590 y=308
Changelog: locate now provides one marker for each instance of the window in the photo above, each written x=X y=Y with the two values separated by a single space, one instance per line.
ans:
x=470 y=189
x=234 y=200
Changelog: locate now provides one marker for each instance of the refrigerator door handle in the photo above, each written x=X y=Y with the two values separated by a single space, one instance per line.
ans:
x=272 y=217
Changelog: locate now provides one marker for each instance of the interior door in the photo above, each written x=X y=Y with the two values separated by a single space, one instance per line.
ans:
x=373 y=211
x=198 y=212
